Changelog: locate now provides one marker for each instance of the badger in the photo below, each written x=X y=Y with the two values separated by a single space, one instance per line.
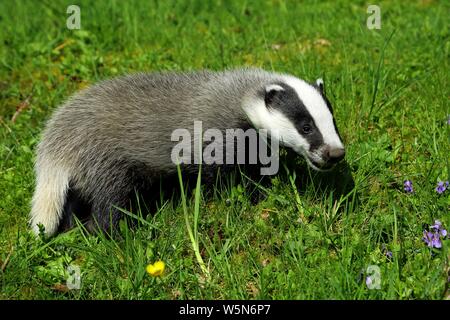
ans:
x=114 y=137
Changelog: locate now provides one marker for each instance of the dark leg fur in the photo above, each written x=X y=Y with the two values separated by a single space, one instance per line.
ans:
x=74 y=206
x=105 y=208
x=121 y=190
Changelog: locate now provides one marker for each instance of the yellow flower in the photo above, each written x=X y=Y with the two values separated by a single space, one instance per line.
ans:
x=156 y=269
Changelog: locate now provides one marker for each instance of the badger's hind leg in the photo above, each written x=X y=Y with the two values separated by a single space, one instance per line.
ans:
x=112 y=191
x=49 y=197
x=75 y=207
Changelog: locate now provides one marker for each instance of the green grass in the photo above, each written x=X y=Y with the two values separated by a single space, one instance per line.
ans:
x=389 y=89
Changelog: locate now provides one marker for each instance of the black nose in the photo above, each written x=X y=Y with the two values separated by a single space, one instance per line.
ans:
x=335 y=155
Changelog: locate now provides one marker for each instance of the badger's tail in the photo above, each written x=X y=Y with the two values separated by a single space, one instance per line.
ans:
x=49 y=197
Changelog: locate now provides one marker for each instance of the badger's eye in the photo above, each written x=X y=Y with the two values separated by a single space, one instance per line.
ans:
x=306 y=129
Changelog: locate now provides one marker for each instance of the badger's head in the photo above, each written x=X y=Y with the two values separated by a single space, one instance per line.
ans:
x=302 y=116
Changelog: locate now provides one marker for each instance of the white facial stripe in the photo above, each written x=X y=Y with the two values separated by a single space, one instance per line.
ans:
x=318 y=109
x=274 y=87
x=275 y=121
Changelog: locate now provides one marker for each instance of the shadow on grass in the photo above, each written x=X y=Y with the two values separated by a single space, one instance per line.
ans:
x=337 y=183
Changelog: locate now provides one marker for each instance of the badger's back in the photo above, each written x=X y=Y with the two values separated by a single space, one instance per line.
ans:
x=134 y=116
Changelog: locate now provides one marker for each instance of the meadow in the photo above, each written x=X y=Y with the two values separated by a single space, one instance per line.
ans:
x=354 y=233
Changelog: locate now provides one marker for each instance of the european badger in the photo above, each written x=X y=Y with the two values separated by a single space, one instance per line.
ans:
x=108 y=139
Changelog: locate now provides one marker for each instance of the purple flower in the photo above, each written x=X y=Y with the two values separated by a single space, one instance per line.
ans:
x=368 y=280
x=389 y=255
x=407 y=184
x=433 y=238
x=441 y=187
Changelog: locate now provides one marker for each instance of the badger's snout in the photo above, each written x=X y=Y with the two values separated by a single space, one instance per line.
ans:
x=326 y=157
x=333 y=155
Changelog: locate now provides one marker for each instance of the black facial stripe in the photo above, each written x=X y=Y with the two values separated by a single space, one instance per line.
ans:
x=289 y=103
x=315 y=140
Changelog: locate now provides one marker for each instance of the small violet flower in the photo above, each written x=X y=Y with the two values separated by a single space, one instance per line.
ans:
x=389 y=254
x=433 y=238
x=408 y=187
x=441 y=187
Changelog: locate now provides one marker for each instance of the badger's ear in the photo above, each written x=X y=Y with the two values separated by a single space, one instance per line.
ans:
x=271 y=91
x=320 y=85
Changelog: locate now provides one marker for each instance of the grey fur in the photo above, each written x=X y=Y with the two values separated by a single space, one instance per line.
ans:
x=99 y=134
